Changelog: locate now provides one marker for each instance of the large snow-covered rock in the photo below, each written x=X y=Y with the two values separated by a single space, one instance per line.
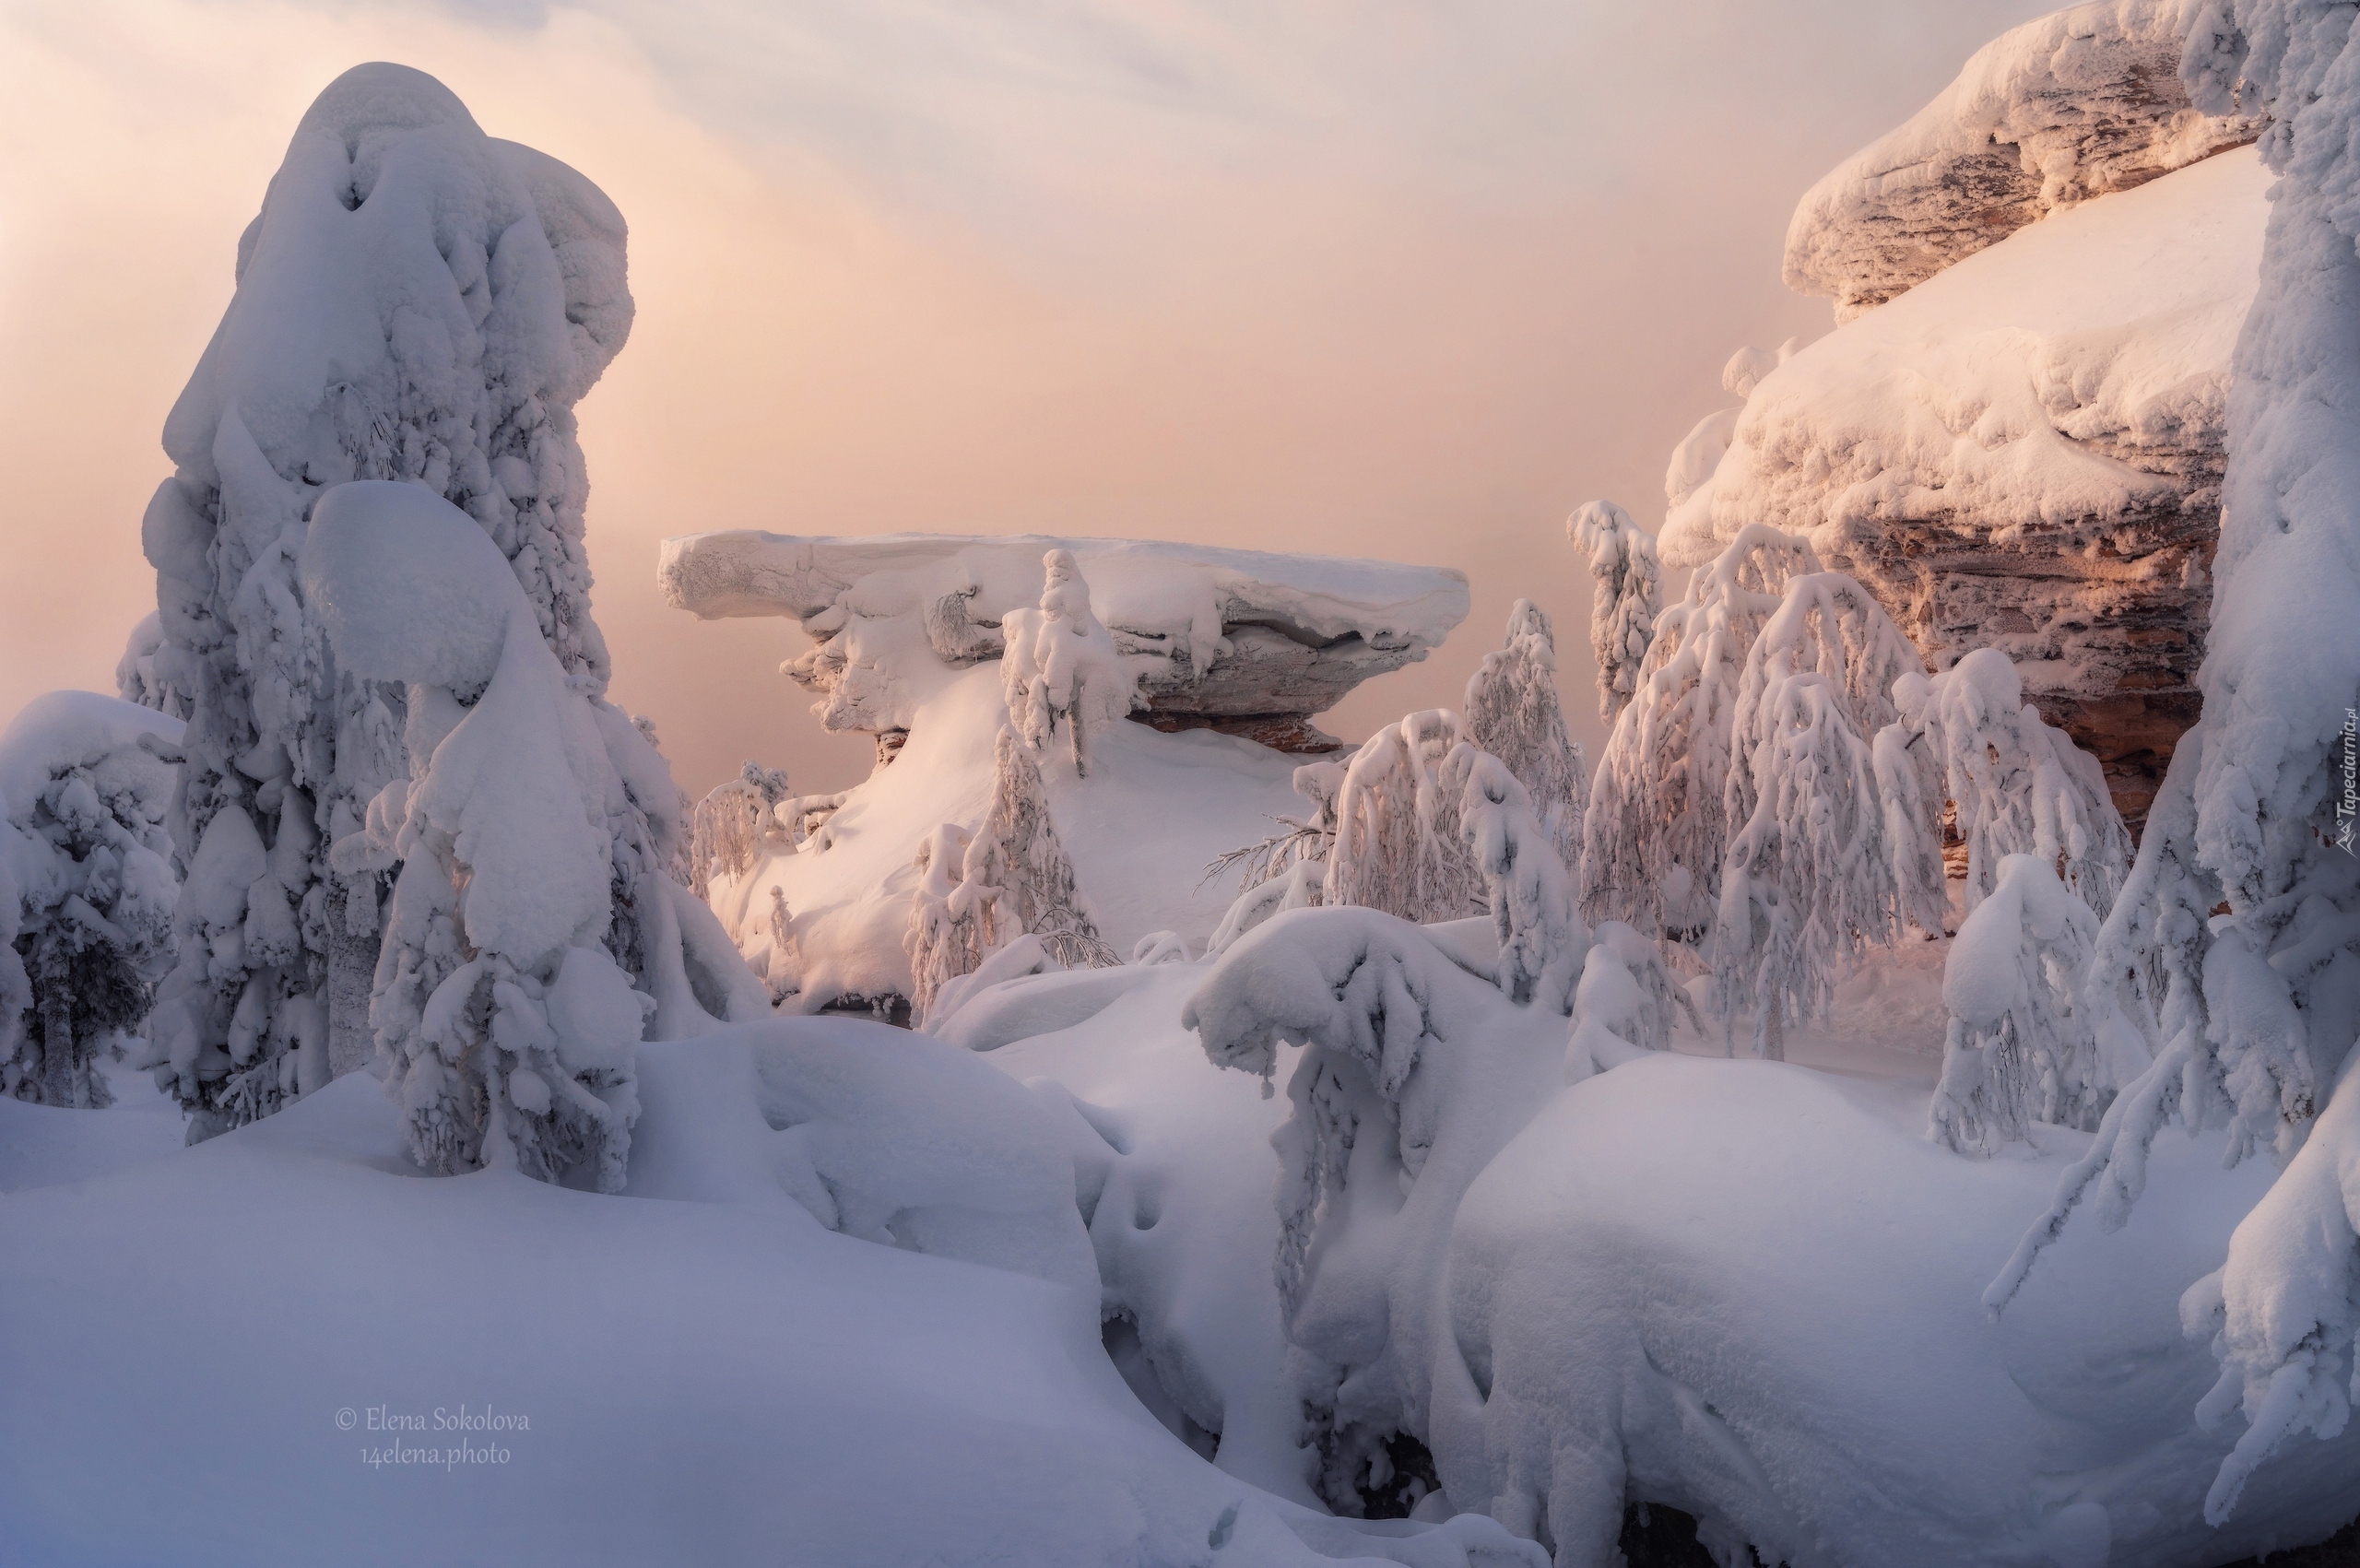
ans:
x=2025 y=452
x=2080 y=104
x=1239 y=640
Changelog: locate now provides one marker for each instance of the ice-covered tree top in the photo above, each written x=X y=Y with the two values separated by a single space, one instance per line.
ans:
x=2081 y=102
x=1211 y=631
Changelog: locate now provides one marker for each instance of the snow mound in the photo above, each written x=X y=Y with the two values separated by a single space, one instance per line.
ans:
x=1749 y=1290
x=2080 y=104
x=1232 y=639
x=748 y=1384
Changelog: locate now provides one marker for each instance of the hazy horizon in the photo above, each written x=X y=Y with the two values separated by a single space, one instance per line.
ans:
x=1402 y=281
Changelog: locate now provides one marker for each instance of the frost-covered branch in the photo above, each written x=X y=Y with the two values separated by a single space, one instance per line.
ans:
x=2021 y=786
x=1627 y=597
x=1531 y=895
x=1513 y=712
x=1398 y=846
x=1655 y=834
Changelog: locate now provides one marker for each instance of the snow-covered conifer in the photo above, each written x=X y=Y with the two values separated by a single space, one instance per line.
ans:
x=2251 y=1008
x=945 y=934
x=1016 y=863
x=2021 y=1044
x=1398 y=846
x=1061 y=665
x=415 y=301
x=87 y=889
x=1531 y=893
x=2021 y=786
x=1654 y=835
x=506 y=1021
x=1624 y=601
x=1513 y=713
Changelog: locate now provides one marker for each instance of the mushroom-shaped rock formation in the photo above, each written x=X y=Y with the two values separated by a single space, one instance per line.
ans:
x=1242 y=642
x=2073 y=106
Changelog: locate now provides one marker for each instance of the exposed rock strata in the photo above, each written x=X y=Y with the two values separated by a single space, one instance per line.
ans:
x=2076 y=105
x=2025 y=452
x=1237 y=641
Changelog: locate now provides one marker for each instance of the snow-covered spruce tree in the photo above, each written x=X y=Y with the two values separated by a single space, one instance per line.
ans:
x=87 y=890
x=945 y=937
x=418 y=301
x=2253 y=1009
x=1654 y=836
x=2021 y=786
x=1398 y=846
x=1513 y=713
x=1626 y=597
x=1529 y=890
x=507 y=1026
x=2021 y=1044
x=1061 y=665
x=1017 y=864
x=730 y=824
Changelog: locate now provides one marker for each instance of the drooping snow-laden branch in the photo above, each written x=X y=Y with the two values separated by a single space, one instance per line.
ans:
x=2235 y=945
x=1624 y=601
x=1513 y=713
x=1398 y=846
x=1654 y=837
x=1061 y=665
x=731 y=824
x=2021 y=786
x=87 y=889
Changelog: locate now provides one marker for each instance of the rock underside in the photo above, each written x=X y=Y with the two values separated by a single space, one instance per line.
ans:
x=1244 y=643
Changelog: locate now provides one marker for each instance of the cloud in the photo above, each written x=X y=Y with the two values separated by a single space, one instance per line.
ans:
x=1385 y=278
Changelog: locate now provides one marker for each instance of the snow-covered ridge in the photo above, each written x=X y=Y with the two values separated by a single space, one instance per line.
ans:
x=1220 y=638
x=2075 y=105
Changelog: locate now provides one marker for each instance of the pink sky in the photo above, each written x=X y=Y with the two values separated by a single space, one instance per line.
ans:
x=1392 y=280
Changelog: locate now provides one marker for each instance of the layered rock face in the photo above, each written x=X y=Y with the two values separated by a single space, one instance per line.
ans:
x=2021 y=446
x=2076 y=105
x=1241 y=641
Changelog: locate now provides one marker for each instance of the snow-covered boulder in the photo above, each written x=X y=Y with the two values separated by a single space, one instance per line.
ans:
x=2024 y=451
x=2080 y=104
x=1238 y=641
